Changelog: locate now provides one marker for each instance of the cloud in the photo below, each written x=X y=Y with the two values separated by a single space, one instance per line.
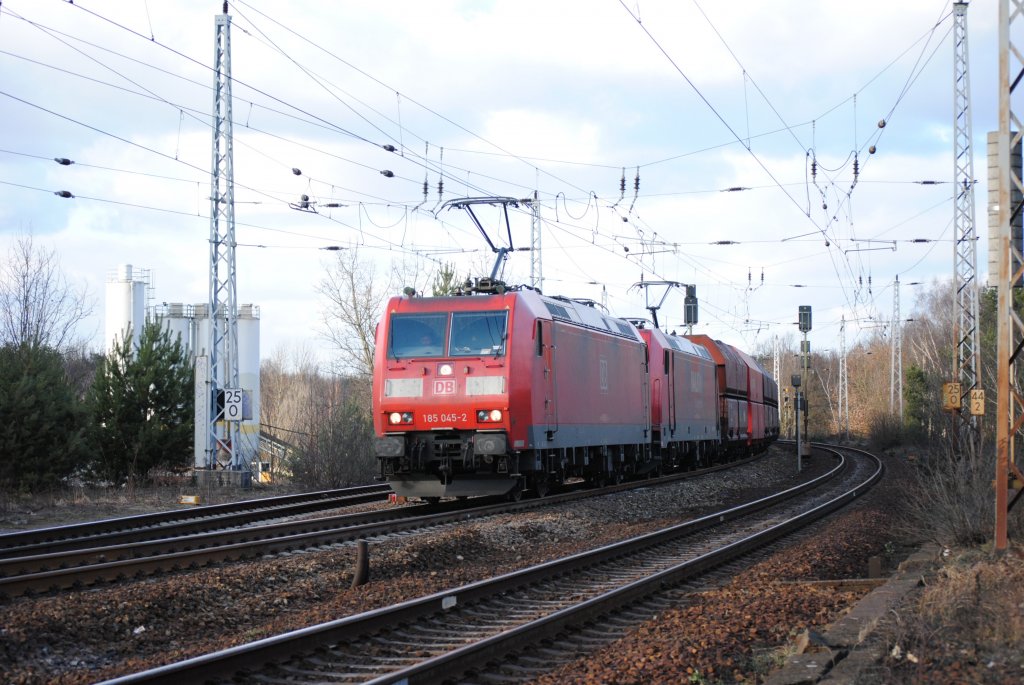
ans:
x=569 y=98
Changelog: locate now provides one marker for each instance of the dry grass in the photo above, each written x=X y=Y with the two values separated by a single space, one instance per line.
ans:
x=984 y=597
x=967 y=625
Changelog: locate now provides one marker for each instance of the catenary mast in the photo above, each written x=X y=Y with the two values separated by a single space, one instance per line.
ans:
x=1010 y=329
x=965 y=256
x=222 y=437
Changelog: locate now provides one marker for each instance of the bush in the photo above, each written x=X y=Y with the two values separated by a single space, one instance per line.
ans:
x=884 y=432
x=339 y=450
x=951 y=500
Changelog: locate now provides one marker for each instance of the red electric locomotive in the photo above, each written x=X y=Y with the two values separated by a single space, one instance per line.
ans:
x=684 y=400
x=500 y=391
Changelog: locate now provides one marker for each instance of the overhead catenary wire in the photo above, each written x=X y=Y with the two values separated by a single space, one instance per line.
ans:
x=591 y=198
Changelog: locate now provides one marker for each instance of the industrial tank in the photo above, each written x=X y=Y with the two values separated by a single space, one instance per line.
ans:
x=125 y=303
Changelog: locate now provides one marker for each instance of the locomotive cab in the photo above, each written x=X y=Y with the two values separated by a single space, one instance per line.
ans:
x=441 y=397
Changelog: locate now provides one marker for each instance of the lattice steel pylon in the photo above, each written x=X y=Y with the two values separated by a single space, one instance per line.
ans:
x=896 y=364
x=965 y=252
x=536 y=265
x=1010 y=328
x=222 y=436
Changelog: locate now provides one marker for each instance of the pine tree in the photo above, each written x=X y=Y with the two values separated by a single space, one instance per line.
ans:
x=142 y=407
x=42 y=424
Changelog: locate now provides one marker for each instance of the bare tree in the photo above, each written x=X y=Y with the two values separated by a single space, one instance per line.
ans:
x=355 y=303
x=931 y=333
x=38 y=306
x=287 y=378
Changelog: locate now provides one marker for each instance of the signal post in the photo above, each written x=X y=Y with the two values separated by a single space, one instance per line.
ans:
x=805 y=352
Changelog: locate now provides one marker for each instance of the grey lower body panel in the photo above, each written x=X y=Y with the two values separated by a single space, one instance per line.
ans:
x=466 y=485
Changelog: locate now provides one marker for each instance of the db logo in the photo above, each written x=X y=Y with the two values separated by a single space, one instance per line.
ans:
x=444 y=386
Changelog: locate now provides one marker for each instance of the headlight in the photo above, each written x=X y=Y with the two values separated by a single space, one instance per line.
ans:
x=488 y=415
x=389 y=446
x=445 y=369
x=396 y=418
x=488 y=444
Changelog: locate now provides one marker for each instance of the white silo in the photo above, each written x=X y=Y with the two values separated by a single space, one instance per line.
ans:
x=178 y=319
x=125 y=303
x=249 y=379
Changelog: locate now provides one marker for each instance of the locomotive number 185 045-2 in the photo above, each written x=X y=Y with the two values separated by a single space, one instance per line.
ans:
x=453 y=417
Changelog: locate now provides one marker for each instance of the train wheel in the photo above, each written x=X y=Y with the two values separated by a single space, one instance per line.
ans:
x=432 y=500
x=515 y=494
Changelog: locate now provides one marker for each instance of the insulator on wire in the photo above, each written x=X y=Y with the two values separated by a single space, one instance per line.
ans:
x=440 y=175
x=389 y=147
x=63 y=193
x=622 y=184
x=297 y=171
x=856 y=167
x=426 y=179
x=387 y=173
x=63 y=161
x=636 y=183
x=814 y=169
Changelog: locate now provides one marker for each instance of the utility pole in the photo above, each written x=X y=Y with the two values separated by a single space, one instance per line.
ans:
x=222 y=442
x=967 y=362
x=1010 y=329
x=797 y=401
x=896 y=353
x=775 y=360
x=844 y=383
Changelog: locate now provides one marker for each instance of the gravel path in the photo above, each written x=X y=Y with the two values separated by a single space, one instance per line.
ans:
x=729 y=633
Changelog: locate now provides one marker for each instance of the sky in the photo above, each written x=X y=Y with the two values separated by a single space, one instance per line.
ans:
x=771 y=154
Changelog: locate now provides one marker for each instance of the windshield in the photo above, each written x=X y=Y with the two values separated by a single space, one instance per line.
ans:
x=417 y=335
x=478 y=333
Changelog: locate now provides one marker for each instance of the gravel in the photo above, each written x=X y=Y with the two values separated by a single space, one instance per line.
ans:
x=104 y=632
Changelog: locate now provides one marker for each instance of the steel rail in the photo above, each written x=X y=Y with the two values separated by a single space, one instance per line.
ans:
x=244 y=658
x=477 y=655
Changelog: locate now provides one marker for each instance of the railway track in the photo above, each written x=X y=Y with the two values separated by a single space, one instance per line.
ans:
x=172 y=547
x=453 y=635
x=164 y=524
